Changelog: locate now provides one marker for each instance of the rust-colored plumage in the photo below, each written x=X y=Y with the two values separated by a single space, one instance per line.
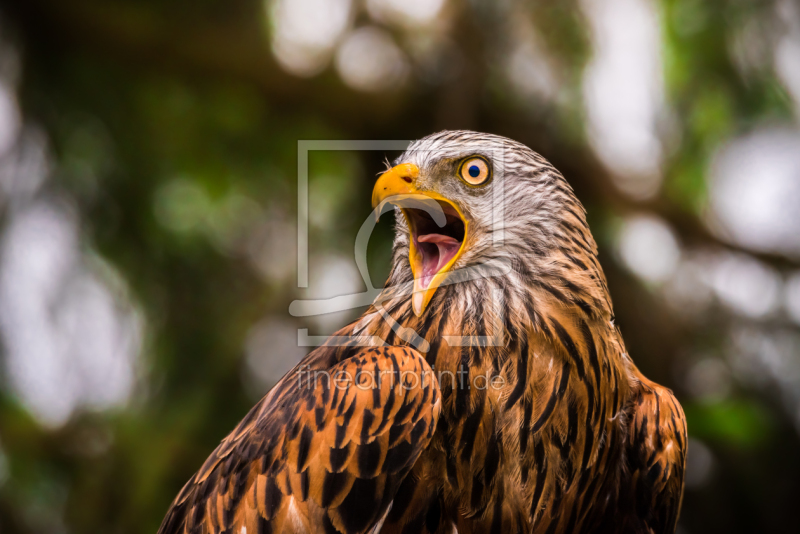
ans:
x=503 y=399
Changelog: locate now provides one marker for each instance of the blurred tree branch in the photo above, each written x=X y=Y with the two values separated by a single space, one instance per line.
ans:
x=149 y=35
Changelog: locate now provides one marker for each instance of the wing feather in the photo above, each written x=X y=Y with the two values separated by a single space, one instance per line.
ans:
x=657 y=458
x=325 y=454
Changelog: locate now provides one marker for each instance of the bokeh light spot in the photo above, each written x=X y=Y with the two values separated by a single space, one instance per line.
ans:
x=304 y=32
x=648 y=248
x=369 y=60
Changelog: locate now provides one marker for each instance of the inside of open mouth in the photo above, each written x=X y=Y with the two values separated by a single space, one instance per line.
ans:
x=436 y=244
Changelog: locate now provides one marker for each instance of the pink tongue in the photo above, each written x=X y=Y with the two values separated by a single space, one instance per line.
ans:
x=431 y=264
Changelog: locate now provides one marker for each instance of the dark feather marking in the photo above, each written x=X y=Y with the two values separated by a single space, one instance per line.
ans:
x=562 y=446
x=586 y=475
x=577 y=262
x=239 y=485
x=390 y=337
x=527 y=414
x=572 y=423
x=338 y=457
x=492 y=460
x=395 y=369
x=462 y=380
x=272 y=498
x=561 y=297
x=326 y=391
x=304 y=486
x=582 y=245
x=335 y=400
x=497 y=513
x=345 y=397
x=327 y=526
x=434 y=516
x=553 y=525
x=395 y=433
x=426 y=325
x=303 y=447
x=541 y=473
x=376 y=390
x=369 y=457
x=340 y=435
x=569 y=345
x=382 y=426
x=451 y=469
x=587 y=445
x=415 y=525
x=659 y=442
x=585 y=308
x=398 y=457
x=332 y=486
x=591 y=348
x=418 y=431
x=433 y=353
x=476 y=494
x=522 y=374
x=420 y=405
x=366 y=423
x=557 y=393
x=403 y=497
x=530 y=309
x=319 y=417
x=263 y=526
x=387 y=408
x=470 y=430
x=544 y=328
x=402 y=414
x=359 y=508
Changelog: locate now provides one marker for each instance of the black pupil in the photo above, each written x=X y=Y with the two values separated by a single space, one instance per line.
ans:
x=474 y=171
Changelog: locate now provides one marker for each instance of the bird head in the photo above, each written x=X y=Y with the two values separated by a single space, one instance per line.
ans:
x=466 y=199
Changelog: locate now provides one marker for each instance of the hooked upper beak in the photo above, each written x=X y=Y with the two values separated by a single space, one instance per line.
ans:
x=437 y=225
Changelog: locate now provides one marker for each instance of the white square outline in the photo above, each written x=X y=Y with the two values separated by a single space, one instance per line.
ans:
x=303 y=148
x=498 y=212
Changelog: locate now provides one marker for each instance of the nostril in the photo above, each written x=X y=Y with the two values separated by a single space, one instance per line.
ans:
x=407 y=179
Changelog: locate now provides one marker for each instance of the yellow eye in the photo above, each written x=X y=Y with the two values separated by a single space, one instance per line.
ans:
x=475 y=171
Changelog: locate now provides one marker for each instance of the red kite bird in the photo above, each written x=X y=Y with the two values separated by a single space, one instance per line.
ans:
x=499 y=397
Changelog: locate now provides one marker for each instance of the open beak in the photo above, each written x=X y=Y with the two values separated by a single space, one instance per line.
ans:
x=438 y=229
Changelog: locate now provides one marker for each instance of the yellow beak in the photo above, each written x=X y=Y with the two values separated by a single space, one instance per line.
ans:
x=398 y=186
